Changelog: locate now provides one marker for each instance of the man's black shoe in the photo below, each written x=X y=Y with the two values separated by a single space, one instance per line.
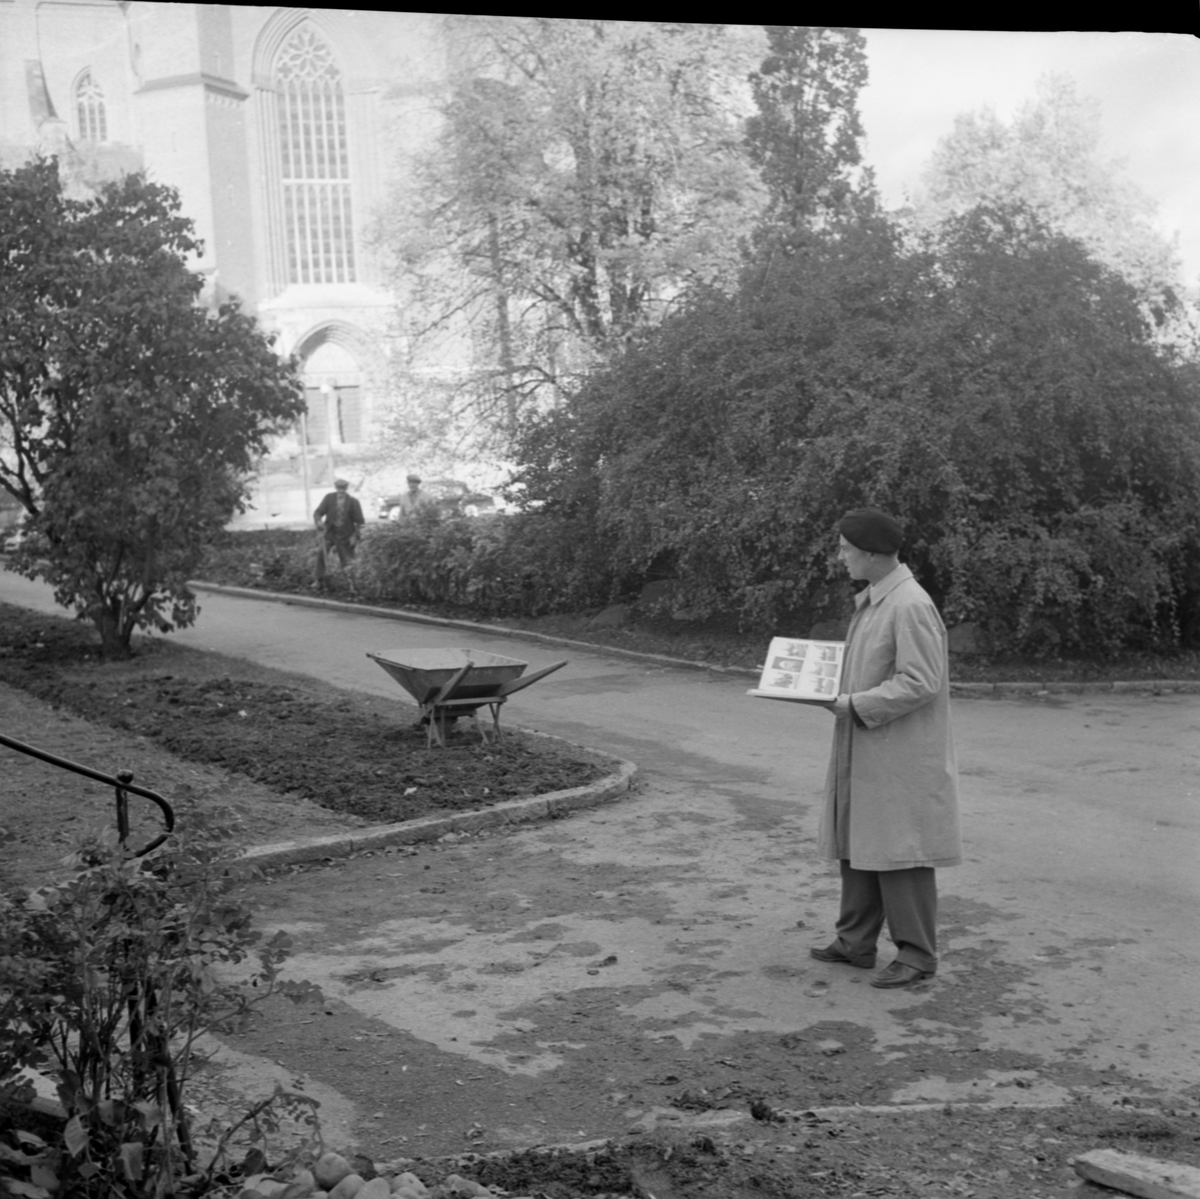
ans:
x=831 y=953
x=897 y=974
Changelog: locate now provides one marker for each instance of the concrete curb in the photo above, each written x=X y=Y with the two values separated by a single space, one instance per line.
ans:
x=1100 y=686
x=961 y=690
x=549 y=806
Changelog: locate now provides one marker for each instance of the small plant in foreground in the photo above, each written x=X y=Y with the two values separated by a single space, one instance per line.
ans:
x=107 y=980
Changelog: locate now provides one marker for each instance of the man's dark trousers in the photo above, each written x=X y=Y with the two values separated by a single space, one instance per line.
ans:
x=907 y=899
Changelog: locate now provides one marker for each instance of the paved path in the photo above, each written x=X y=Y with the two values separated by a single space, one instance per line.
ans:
x=1070 y=931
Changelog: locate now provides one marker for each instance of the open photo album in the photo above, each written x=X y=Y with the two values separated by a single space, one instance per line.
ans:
x=801 y=671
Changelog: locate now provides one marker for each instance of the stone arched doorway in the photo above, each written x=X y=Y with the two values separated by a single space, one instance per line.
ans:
x=333 y=392
x=332 y=360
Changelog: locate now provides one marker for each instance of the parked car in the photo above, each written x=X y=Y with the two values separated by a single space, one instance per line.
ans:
x=447 y=496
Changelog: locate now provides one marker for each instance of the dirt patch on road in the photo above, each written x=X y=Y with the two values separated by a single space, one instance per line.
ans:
x=951 y=1151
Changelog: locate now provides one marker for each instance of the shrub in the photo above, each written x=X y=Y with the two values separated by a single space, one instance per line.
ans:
x=499 y=565
x=494 y=566
x=1002 y=392
x=108 y=979
x=284 y=558
x=130 y=414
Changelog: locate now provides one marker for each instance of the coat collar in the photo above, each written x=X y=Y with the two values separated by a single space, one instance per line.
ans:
x=876 y=592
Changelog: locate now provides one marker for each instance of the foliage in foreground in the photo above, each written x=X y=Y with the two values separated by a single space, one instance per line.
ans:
x=129 y=416
x=998 y=388
x=109 y=979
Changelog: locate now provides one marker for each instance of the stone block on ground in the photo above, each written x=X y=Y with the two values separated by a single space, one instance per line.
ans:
x=1134 y=1174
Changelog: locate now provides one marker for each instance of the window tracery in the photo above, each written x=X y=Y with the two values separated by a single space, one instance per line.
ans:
x=90 y=116
x=315 y=161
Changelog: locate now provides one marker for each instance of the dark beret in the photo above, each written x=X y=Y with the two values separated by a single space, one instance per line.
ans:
x=871 y=530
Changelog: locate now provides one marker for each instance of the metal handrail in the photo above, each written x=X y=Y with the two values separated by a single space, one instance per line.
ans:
x=122 y=783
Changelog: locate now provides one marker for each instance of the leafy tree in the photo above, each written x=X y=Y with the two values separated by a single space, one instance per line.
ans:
x=685 y=458
x=1043 y=445
x=805 y=136
x=129 y=417
x=996 y=386
x=1049 y=159
x=586 y=171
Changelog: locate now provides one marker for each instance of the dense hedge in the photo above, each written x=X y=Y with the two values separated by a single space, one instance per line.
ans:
x=490 y=566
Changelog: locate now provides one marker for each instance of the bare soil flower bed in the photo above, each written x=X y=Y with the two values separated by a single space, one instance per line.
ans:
x=349 y=753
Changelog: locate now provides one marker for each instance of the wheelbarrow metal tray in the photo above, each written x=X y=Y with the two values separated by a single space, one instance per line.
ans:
x=421 y=672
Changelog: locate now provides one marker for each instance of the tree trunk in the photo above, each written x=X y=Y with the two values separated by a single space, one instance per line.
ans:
x=114 y=644
x=503 y=326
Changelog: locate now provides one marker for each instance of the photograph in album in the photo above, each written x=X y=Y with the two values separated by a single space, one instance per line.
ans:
x=801 y=671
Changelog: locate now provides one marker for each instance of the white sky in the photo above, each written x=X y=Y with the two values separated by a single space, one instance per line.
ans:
x=1148 y=86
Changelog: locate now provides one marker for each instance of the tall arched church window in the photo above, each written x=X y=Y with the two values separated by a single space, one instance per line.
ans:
x=89 y=109
x=315 y=162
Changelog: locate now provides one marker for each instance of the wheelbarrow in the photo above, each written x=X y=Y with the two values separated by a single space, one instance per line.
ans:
x=448 y=683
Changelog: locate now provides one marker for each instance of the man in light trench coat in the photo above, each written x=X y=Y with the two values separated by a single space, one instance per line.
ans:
x=891 y=796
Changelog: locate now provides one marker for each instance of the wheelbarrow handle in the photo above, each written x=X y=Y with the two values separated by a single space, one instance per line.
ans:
x=526 y=680
x=447 y=691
